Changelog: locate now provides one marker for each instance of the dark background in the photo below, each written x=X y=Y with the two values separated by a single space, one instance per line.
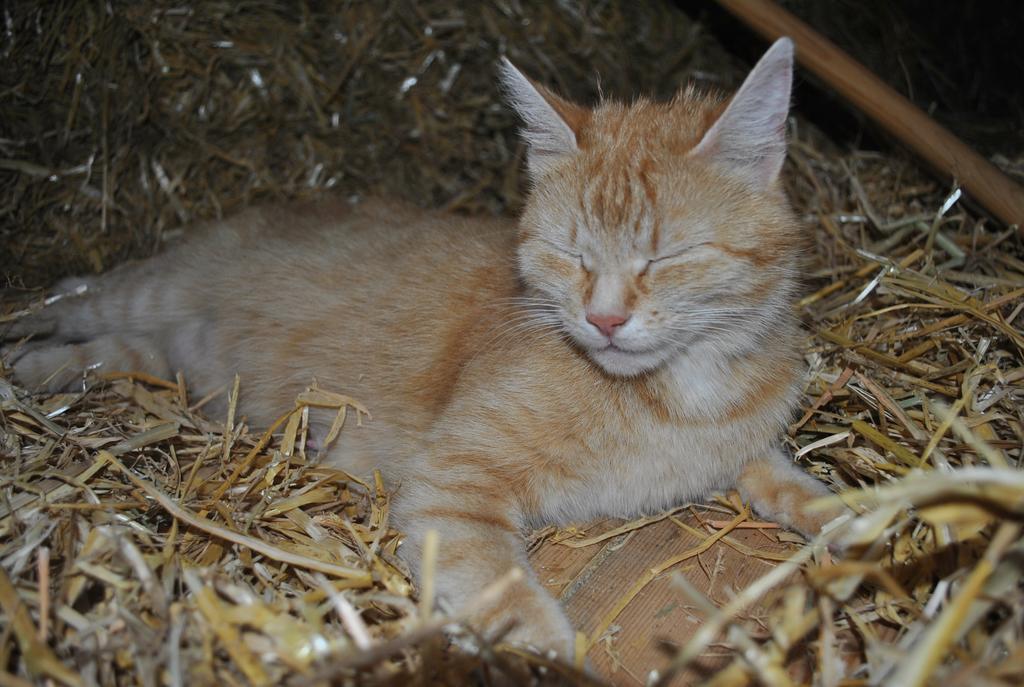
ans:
x=961 y=62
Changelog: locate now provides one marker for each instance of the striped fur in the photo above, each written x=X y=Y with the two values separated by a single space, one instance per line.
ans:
x=496 y=404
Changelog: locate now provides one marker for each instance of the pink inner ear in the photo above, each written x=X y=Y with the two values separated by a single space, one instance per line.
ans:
x=749 y=138
x=575 y=116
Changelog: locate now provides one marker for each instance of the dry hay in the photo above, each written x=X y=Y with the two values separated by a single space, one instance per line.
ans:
x=115 y=129
x=144 y=543
x=166 y=548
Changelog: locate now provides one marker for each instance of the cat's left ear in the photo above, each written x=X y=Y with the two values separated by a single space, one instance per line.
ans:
x=749 y=138
x=552 y=124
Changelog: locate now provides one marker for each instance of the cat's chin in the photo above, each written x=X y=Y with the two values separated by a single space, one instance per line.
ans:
x=622 y=363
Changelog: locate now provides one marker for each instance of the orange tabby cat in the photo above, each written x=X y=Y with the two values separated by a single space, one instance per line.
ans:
x=630 y=345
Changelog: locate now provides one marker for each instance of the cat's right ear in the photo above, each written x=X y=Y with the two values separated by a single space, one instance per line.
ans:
x=552 y=124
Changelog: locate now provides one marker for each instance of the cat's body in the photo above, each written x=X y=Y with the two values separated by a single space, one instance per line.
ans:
x=628 y=346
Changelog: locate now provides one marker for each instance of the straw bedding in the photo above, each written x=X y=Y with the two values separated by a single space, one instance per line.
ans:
x=143 y=542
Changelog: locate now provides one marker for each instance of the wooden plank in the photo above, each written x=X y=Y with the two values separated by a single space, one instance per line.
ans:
x=590 y=580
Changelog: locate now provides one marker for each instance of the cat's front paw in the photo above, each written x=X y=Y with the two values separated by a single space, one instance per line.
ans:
x=528 y=617
x=810 y=522
x=780 y=491
x=547 y=632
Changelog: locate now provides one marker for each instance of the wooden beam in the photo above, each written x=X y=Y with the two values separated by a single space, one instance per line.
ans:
x=992 y=189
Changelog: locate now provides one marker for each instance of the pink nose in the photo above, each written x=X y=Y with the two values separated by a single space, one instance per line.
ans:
x=606 y=323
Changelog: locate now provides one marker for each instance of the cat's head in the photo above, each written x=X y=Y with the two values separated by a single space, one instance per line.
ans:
x=654 y=228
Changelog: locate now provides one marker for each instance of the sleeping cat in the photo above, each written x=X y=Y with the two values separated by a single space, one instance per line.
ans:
x=627 y=346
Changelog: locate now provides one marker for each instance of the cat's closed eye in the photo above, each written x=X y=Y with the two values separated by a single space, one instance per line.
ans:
x=675 y=253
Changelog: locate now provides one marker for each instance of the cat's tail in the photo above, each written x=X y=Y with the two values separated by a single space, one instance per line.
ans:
x=43 y=319
x=112 y=322
x=82 y=308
